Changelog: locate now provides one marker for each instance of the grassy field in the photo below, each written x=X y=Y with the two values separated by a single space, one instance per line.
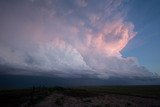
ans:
x=151 y=91
x=27 y=97
x=31 y=96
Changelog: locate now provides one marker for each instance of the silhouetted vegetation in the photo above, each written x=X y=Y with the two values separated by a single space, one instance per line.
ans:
x=59 y=101
x=26 y=97
x=31 y=96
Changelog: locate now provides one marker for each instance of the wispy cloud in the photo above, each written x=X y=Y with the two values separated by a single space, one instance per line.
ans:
x=81 y=3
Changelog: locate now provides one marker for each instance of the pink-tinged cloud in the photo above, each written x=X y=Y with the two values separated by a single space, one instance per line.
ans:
x=85 y=41
x=114 y=37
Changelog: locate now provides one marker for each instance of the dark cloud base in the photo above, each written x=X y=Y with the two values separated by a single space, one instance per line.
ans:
x=23 y=81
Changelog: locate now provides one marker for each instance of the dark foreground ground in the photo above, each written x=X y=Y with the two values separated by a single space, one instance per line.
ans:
x=101 y=96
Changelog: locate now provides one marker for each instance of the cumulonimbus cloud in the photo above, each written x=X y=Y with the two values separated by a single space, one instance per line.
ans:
x=71 y=39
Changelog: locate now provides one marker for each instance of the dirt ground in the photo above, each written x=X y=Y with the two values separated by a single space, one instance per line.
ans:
x=105 y=100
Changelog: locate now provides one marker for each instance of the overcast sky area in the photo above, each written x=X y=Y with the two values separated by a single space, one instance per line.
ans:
x=98 y=39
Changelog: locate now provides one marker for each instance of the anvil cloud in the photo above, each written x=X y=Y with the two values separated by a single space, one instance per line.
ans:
x=67 y=38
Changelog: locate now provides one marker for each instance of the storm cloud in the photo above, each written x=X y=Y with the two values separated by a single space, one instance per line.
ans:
x=67 y=38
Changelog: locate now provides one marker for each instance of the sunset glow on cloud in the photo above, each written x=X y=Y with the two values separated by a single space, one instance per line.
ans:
x=68 y=38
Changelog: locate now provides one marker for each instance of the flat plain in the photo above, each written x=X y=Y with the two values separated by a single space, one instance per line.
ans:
x=87 y=96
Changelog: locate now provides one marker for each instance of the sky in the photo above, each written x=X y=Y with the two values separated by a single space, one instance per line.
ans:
x=100 y=39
